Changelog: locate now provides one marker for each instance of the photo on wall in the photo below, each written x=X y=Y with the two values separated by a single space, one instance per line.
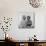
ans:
x=27 y=20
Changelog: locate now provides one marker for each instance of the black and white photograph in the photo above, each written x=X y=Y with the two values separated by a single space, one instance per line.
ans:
x=27 y=20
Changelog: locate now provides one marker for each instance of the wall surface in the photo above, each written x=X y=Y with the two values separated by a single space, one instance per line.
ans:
x=10 y=8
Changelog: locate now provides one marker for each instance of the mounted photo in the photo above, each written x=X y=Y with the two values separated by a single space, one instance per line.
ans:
x=26 y=20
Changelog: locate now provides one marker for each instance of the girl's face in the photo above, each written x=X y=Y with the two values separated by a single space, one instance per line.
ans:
x=24 y=17
x=28 y=17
